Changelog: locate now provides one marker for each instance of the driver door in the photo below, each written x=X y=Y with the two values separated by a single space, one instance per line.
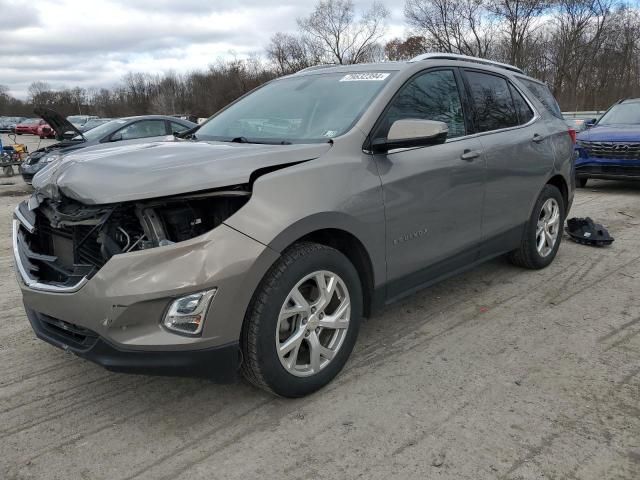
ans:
x=433 y=195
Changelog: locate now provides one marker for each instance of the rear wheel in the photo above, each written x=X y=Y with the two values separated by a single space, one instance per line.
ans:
x=581 y=182
x=543 y=231
x=303 y=321
x=8 y=171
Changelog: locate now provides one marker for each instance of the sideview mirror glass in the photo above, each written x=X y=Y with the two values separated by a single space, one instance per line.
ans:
x=410 y=133
x=116 y=137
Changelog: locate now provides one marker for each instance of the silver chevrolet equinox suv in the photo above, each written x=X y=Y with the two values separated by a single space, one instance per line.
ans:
x=257 y=242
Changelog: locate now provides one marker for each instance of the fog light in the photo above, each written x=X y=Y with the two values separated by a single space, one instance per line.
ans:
x=186 y=314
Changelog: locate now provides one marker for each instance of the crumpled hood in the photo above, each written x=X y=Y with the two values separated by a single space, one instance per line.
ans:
x=611 y=133
x=100 y=175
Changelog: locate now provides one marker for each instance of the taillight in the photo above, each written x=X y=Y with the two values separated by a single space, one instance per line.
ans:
x=572 y=134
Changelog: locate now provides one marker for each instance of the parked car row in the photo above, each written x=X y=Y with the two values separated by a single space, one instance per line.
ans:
x=102 y=132
x=38 y=126
x=8 y=124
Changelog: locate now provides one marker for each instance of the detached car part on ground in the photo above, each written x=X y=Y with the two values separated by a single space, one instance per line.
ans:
x=119 y=131
x=259 y=241
x=610 y=149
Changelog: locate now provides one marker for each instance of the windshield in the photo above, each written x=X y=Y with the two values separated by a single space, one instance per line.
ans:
x=101 y=130
x=622 y=114
x=304 y=109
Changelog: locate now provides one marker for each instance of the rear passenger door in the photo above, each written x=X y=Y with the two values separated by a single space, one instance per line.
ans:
x=432 y=195
x=518 y=155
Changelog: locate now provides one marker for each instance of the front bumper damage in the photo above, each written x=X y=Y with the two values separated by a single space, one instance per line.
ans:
x=114 y=316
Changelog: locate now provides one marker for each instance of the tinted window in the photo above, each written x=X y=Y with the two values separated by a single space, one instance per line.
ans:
x=143 y=129
x=431 y=96
x=525 y=114
x=493 y=105
x=178 y=127
x=542 y=93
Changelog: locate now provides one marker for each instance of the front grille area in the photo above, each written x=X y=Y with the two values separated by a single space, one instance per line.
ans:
x=612 y=150
x=81 y=243
x=60 y=256
x=68 y=333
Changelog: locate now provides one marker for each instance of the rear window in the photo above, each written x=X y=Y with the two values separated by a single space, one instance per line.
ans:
x=493 y=106
x=542 y=93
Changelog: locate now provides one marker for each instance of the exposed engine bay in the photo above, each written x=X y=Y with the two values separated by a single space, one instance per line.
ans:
x=72 y=239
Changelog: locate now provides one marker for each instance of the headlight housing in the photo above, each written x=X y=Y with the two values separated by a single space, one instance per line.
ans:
x=186 y=314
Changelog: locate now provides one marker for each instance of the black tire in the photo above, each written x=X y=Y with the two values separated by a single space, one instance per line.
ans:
x=527 y=255
x=261 y=365
x=8 y=171
x=581 y=182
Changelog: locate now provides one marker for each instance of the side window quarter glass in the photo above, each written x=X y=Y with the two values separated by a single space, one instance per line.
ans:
x=544 y=95
x=525 y=114
x=429 y=96
x=493 y=105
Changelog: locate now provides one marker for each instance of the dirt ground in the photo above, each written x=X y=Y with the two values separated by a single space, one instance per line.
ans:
x=499 y=373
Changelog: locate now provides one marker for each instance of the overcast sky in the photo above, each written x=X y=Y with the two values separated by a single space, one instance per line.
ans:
x=94 y=43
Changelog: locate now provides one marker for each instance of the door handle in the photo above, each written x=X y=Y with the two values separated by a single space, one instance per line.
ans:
x=537 y=138
x=469 y=155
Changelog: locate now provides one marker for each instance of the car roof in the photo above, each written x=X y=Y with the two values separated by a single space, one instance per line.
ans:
x=419 y=63
x=152 y=117
x=630 y=100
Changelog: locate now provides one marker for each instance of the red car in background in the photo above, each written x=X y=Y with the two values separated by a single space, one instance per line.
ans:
x=29 y=126
x=45 y=131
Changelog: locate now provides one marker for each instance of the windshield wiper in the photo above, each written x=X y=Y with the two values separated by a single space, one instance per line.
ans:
x=260 y=142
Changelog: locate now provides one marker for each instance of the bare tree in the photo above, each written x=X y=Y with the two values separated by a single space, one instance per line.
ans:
x=341 y=35
x=291 y=53
x=577 y=36
x=518 y=18
x=398 y=49
x=40 y=93
x=453 y=26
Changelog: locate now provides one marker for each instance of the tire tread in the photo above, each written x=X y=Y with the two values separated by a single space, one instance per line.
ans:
x=250 y=366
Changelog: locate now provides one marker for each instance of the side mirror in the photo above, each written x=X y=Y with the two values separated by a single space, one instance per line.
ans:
x=116 y=137
x=412 y=133
x=69 y=135
x=590 y=123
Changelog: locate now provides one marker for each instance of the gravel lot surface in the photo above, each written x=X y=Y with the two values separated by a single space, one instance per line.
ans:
x=499 y=373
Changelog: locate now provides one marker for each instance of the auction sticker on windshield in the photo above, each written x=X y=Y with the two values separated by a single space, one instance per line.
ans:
x=365 y=77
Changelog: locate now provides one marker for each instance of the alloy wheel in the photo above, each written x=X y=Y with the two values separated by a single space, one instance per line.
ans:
x=313 y=323
x=548 y=227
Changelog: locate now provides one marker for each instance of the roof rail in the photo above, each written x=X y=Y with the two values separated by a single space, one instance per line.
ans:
x=464 y=58
x=315 y=67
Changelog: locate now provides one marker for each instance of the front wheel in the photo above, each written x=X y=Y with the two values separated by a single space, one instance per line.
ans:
x=302 y=322
x=543 y=231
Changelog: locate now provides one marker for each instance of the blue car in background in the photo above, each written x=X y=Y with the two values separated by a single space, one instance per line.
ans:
x=610 y=148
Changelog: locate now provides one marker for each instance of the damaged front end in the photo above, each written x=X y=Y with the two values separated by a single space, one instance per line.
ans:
x=60 y=244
